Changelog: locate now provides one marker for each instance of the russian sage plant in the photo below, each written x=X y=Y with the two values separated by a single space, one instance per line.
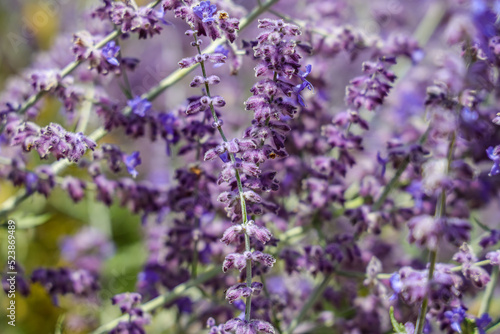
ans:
x=341 y=156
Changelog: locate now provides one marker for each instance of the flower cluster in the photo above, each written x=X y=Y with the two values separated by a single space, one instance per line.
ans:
x=128 y=303
x=52 y=139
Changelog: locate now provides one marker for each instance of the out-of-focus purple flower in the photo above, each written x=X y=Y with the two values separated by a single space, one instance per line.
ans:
x=126 y=301
x=456 y=317
x=383 y=162
x=468 y=115
x=75 y=188
x=492 y=239
x=160 y=15
x=305 y=84
x=415 y=189
x=205 y=11
x=483 y=322
x=465 y=255
x=87 y=249
x=493 y=155
x=413 y=285
x=222 y=50
x=396 y=285
x=110 y=51
x=131 y=161
x=425 y=231
x=494 y=257
x=31 y=182
x=139 y=106
x=63 y=280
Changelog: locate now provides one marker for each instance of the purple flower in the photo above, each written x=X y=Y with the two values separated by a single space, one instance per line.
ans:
x=242 y=291
x=456 y=316
x=482 y=323
x=74 y=187
x=305 y=84
x=205 y=11
x=31 y=182
x=110 y=51
x=139 y=106
x=160 y=15
x=383 y=162
x=239 y=326
x=87 y=249
x=131 y=161
x=224 y=157
x=396 y=285
x=137 y=319
x=221 y=50
x=126 y=301
x=491 y=239
x=63 y=281
x=494 y=257
x=425 y=231
x=493 y=155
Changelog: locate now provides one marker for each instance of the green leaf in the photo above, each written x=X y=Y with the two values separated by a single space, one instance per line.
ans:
x=397 y=327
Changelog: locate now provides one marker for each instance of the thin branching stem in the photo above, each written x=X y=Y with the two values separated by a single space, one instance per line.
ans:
x=440 y=212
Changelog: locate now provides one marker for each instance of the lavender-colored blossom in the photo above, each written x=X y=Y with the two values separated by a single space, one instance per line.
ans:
x=456 y=317
x=305 y=84
x=74 y=187
x=482 y=323
x=494 y=257
x=131 y=161
x=492 y=239
x=140 y=106
x=110 y=51
x=128 y=303
x=62 y=281
x=493 y=155
x=424 y=231
x=87 y=249
x=248 y=327
x=52 y=139
x=205 y=11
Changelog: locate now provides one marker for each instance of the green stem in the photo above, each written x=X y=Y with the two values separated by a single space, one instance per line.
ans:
x=127 y=90
x=423 y=308
x=318 y=291
x=488 y=294
x=163 y=299
x=392 y=183
x=440 y=212
x=194 y=267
